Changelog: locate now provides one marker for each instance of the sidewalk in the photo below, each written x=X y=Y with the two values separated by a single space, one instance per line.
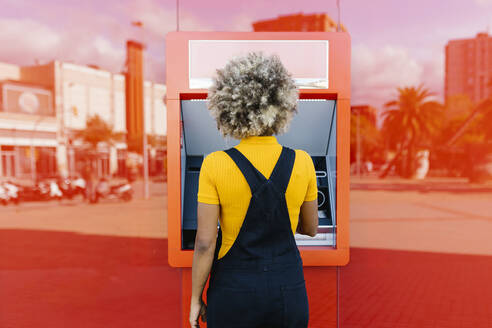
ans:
x=448 y=184
x=156 y=189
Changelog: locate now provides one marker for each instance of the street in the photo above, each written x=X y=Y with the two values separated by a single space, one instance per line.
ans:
x=442 y=222
x=416 y=261
x=137 y=218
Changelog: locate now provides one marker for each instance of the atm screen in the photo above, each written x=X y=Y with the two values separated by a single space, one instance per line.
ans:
x=312 y=129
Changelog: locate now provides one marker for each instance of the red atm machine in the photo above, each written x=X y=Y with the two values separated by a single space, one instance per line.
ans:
x=320 y=65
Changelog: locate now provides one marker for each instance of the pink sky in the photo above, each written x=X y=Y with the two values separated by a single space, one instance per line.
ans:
x=394 y=43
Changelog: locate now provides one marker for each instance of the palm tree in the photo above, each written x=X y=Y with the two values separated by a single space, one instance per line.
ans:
x=409 y=122
x=483 y=107
x=473 y=135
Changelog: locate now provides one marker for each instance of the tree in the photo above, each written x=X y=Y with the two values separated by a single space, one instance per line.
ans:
x=96 y=131
x=371 y=149
x=410 y=121
x=450 y=158
x=135 y=143
x=468 y=139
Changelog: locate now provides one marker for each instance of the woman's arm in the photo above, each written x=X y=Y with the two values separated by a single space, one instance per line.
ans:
x=308 y=218
x=206 y=236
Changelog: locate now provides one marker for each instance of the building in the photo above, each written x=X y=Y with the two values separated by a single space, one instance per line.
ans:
x=468 y=68
x=299 y=23
x=43 y=106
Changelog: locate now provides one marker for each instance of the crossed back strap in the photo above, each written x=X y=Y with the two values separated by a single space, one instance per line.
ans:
x=280 y=175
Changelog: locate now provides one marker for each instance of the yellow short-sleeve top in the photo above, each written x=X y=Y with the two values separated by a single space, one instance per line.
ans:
x=221 y=182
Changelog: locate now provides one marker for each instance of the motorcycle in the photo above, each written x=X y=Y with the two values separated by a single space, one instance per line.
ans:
x=12 y=192
x=123 y=191
x=55 y=192
x=67 y=188
x=4 y=198
x=79 y=186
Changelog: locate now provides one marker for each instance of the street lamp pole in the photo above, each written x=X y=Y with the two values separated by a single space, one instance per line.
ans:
x=68 y=136
x=338 y=16
x=145 y=159
x=33 y=159
x=358 y=145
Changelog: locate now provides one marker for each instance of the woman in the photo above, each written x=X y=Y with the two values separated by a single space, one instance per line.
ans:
x=261 y=192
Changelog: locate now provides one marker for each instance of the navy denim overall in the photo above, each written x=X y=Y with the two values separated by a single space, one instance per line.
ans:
x=260 y=281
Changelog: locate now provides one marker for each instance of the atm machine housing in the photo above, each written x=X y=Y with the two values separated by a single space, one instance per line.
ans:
x=324 y=112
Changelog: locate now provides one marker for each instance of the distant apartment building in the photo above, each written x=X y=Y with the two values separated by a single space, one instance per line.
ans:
x=42 y=108
x=298 y=23
x=469 y=67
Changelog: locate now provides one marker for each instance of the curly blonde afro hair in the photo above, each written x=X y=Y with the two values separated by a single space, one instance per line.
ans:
x=253 y=95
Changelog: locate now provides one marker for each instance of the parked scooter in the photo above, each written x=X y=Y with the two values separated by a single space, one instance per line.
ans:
x=4 y=198
x=79 y=186
x=122 y=191
x=55 y=192
x=12 y=192
x=39 y=191
x=66 y=187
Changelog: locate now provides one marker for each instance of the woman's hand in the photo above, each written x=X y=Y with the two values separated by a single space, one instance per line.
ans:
x=197 y=309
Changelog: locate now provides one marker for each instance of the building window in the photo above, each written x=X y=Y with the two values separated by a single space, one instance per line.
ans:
x=481 y=87
x=8 y=159
x=103 y=164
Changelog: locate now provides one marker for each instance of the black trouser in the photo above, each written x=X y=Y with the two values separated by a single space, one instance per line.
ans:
x=266 y=295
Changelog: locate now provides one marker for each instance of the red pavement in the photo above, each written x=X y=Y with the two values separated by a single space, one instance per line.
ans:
x=401 y=289
x=62 y=279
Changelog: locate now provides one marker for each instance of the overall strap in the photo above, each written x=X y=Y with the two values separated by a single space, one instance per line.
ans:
x=283 y=169
x=254 y=177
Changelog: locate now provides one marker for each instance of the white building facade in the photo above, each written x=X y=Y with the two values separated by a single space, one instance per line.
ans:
x=42 y=107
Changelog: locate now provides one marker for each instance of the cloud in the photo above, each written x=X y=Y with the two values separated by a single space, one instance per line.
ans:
x=483 y=2
x=158 y=20
x=88 y=36
x=376 y=73
x=24 y=40
x=433 y=73
x=242 y=23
